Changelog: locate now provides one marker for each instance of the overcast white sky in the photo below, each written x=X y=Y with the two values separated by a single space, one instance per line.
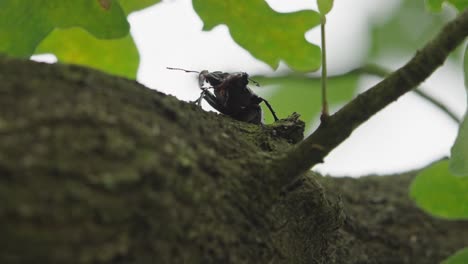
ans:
x=406 y=135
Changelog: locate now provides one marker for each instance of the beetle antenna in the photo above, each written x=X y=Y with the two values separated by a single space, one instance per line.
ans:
x=255 y=82
x=180 y=69
x=271 y=109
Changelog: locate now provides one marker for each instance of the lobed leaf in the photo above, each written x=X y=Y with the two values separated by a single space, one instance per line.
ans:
x=440 y=193
x=303 y=94
x=325 y=6
x=76 y=46
x=115 y=56
x=268 y=35
x=459 y=151
x=461 y=257
x=24 y=24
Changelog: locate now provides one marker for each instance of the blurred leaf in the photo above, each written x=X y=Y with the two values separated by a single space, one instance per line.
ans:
x=459 y=4
x=461 y=257
x=303 y=94
x=268 y=35
x=105 y=3
x=114 y=56
x=440 y=193
x=459 y=158
x=76 y=46
x=436 y=5
x=23 y=24
x=136 y=5
x=407 y=31
x=324 y=6
x=465 y=67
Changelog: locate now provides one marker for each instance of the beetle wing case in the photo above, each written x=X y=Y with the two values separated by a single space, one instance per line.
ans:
x=232 y=96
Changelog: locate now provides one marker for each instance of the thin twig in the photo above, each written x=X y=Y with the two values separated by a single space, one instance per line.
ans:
x=438 y=104
x=380 y=71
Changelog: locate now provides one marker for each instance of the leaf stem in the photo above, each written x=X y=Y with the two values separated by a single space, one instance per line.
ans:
x=324 y=69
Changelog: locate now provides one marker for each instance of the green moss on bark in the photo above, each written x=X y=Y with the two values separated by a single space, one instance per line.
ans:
x=99 y=169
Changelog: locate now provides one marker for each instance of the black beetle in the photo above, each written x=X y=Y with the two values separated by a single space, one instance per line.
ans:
x=231 y=95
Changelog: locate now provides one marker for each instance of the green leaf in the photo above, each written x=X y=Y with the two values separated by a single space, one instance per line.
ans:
x=106 y=4
x=303 y=94
x=115 y=56
x=461 y=257
x=465 y=67
x=436 y=5
x=324 y=6
x=459 y=151
x=268 y=35
x=23 y=24
x=405 y=32
x=440 y=193
x=136 y=5
x=459 y=157
x=459 y=4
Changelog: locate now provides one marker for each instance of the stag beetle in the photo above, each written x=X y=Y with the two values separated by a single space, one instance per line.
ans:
x=231 y=95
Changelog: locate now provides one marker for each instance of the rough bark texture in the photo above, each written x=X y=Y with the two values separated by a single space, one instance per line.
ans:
x=98 y=169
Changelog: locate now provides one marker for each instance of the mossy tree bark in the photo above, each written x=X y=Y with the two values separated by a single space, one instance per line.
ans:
x=99 y=169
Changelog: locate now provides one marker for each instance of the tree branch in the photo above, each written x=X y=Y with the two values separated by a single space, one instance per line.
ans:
x=380 y=71
x=341 y=124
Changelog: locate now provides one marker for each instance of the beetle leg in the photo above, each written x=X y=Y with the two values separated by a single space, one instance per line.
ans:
x=202 y=94
x=214 y=102
x=271 y=109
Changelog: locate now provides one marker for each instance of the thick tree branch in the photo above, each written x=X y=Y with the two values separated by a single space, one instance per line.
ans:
x=99 y=169
x=341 y=124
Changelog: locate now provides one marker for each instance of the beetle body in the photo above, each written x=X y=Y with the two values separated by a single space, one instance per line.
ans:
x=231 y=96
